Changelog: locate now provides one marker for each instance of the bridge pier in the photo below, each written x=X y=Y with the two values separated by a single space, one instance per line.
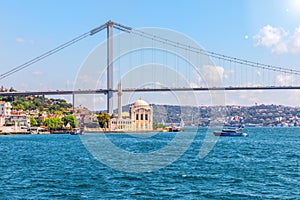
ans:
x=43 y=99
x=73 y=102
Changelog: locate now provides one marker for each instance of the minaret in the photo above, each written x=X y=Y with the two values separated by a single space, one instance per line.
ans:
x=119 y=100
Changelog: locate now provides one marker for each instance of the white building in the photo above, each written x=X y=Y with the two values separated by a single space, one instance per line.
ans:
x=19 y=120
x=140 y=116
x=122 y=125
x=5 y=109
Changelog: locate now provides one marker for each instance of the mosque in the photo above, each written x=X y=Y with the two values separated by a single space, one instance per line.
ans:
x=140 y=116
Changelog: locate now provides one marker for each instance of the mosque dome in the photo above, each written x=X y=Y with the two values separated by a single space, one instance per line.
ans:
x=141 y=102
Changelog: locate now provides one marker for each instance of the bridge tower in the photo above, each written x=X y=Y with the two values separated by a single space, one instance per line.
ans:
x=109 y=26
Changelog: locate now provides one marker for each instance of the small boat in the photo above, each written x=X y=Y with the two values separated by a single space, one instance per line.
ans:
x=177 y=129
x=173 y=129
x=76 y=131
x=231 y=132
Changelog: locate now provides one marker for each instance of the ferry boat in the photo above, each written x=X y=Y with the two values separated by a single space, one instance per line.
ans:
x=231 y=132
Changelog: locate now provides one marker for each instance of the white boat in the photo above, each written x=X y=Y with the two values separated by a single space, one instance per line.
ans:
x=231 y=132
x=76 y=131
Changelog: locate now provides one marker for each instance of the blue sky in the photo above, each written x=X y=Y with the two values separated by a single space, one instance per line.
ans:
x=263 y=31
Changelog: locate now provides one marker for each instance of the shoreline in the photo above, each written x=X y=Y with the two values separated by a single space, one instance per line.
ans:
x=133 y=132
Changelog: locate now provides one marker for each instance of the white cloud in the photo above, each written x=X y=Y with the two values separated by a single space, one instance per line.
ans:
x=285 y=80
x=37 y=73
x=269 y=36
x=194 y=85
x=220 y=70
x=196 y=80
x=280 y=48
x=99 y=99
x=85 y=81
x=20 y=40
x=258 y=73
x=228 y=73
x=278 y=40
x=212 y=75
x=24 y=86
x=295 y=41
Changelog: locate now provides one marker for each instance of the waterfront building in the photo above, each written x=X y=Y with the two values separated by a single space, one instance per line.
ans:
x=2 y=120
x=19 y=120
x=140 y=116
x=120 y=125
x=5 y=109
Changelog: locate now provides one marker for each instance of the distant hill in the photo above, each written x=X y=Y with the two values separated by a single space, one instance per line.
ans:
x=264 y=115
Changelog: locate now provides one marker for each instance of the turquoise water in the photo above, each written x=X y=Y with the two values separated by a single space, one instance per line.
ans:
x=265 y=165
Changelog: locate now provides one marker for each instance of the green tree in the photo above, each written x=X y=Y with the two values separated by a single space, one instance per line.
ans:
x=103 y=119
x=70 y=119
x=53 y=123
x=158 y=125
x=33 y=122
x=40 y=108
x=58 y=113
x=12 y=90
x=37 y=102
x=53 y=108
x=19 y=107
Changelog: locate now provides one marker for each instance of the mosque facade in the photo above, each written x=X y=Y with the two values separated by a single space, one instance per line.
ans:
x=140 y=116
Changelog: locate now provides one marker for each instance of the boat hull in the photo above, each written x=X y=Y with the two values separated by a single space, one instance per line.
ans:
x=230 y=134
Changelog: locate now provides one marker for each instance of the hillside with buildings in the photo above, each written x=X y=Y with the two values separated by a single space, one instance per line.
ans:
x=26 y=103
x=234 y=115
x=257 y=115
x=19 y=114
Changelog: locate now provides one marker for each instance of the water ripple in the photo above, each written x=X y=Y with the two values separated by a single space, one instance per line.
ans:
x=263 y=166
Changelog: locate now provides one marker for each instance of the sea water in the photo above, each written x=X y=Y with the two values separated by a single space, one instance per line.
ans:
x=265 y=165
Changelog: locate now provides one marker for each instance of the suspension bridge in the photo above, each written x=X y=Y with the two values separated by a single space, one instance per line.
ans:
x=226 y=73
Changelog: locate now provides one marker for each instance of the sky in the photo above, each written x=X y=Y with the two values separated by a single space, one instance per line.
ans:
x=261 y=31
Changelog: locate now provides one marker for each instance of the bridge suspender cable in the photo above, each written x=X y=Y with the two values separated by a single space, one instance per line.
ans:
x=213 y=54
x=154 y=38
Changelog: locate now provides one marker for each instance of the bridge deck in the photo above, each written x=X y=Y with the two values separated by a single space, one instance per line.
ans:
x=105 y=91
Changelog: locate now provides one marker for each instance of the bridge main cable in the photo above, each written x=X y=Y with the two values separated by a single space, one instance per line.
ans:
x=153 y=37
x=213 y=54
x=53 y=51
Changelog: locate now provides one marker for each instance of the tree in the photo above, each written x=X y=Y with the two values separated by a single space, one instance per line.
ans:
x=58 y=113
x=53 y=123
x=19 y=107
x=103 y=119
x=158 y=125
x=70 y=119
x=12 y=89
x=33 y=122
